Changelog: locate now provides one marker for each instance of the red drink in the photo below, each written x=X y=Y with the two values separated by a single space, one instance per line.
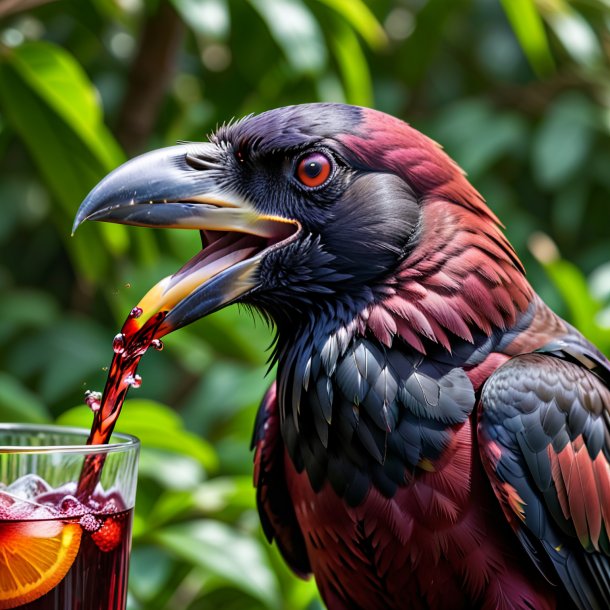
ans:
x=68 y=548
x=56 y=552
x=97 y=579
x=107 y=568
x=129 y=346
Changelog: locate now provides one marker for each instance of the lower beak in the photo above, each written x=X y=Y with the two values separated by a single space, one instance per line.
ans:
x=188 y=187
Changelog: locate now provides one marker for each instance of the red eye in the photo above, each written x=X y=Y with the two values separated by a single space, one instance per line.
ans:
x=313 y=169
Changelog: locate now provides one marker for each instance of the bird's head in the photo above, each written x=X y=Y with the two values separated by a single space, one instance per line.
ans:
x=296 y=206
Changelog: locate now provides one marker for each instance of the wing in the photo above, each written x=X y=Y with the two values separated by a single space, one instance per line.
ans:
x=544 y=433
x=274 y=505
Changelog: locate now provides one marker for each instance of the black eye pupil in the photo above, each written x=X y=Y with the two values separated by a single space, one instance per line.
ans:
x=313 y=169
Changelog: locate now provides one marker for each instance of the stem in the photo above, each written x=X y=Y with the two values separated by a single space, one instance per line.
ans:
x=149 y=77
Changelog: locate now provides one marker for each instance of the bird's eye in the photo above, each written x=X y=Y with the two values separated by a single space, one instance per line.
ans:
x=313 y=169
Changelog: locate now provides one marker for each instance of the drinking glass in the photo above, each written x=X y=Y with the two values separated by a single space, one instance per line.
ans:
x=63 y=547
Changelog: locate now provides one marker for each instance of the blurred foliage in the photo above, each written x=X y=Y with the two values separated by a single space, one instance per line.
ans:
x=518 y=92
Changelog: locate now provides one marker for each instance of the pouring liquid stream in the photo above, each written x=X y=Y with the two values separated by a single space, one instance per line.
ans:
x=142 y=329
x=129 y=346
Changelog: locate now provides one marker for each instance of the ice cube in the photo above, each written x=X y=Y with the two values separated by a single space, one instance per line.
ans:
x=20 y=509
x=111 y=503
x=41 y=513
x=71 y=507
x=22 y=499
x=14 y=507
x=28 y=487
x=6 y=501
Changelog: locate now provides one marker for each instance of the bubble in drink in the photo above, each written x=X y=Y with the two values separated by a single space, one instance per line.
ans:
x=136 y=312
x=118 y=343
x=51 y=553
x=136 y=339
x=93 y=400
x=111 y=506
x=6 y=501
x=135 y=381
x=40 y=513
x=71 y=507
x=90 y=523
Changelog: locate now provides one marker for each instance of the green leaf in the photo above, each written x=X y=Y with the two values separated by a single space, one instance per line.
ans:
x=18 y=404
x=360 y=17
x=236 y=333
x=225 y=553
x=226 y=389
x=416 y=55
x=353 y=65
x=570 y=208
x=529 y=29
x=221 y=495
x=599 y=281
x=476 y=135
x=172 y=471
x=22 y=309
x=563 y=141
x=60 y=81
x=208 y=18
x=51 y=105
x=296 y=32
x=576 y=34
x=62 y=356
x=156 y=425
x=584 y=308
x=149 y=569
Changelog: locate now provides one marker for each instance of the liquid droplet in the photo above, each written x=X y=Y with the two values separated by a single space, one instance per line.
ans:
x=135 y=381
x=127 y=285
x=118 y=343
x=157 y=344
x=93 y=400
x=136 y=312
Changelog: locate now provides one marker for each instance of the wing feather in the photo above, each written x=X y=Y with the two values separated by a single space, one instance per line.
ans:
x=544 y=438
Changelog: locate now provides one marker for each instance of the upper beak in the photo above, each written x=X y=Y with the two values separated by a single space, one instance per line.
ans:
x=188 y=186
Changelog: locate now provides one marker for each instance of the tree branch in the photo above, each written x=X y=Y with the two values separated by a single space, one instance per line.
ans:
x=149 y=77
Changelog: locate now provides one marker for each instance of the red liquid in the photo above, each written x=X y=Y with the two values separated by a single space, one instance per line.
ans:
x=129 y=347
x=88 y=534
x=97 y=576
x=77 y=539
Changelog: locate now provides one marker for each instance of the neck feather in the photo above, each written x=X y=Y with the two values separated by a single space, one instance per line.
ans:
x=463 y=278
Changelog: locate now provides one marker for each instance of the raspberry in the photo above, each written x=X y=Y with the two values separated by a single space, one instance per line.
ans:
x=108 y=536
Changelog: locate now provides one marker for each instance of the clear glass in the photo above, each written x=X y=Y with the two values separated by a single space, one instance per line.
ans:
x=61 y=547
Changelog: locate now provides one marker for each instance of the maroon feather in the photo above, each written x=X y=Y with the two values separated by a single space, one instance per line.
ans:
x=438 y=538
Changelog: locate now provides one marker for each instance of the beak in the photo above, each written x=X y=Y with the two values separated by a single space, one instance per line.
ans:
x=189 y=187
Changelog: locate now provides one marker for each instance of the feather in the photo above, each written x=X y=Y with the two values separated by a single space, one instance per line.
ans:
x=382 y=325
x=372 y=439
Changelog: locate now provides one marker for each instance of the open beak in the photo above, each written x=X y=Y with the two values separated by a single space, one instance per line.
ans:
x=187 y=187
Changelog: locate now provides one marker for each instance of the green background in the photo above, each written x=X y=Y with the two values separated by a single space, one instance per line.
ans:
x=518 y=92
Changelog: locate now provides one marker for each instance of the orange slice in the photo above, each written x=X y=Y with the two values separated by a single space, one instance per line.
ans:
x=34 y=558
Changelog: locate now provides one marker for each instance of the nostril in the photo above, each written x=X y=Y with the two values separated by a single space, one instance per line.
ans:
x=203 y=158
